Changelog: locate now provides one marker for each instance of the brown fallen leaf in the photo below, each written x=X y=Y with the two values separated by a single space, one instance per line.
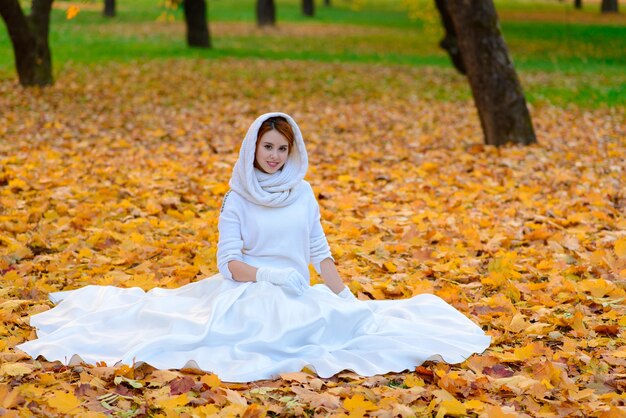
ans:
x=611 y=330
x=317 y=400
x=181 y=385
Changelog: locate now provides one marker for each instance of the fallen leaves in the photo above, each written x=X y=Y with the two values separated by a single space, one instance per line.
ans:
x=620 y=247
x=16 y=369
x=63 y=402
x=211 y=380
x=116 y=177
x=358 y=406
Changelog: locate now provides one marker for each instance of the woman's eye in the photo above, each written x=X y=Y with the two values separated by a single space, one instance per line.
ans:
x=268 y=147
x=283 y=149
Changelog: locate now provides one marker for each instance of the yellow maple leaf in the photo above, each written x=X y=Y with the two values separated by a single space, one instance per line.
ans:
x=220 y=189
x=47 y=379
x=451 y=407
x=170 y=403
x=390 y=267
x=358 y=405
x=412 y=381
x=620 y=247
x=474 y=404
x=85 y=253
x=544 y=265
x=206 y=410
x=526 y=352
x=63 y=402
x=211 y=380
x=137 y=238
x=597 y=287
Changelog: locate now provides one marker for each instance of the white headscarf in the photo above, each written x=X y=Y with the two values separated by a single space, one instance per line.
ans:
x=274 y=190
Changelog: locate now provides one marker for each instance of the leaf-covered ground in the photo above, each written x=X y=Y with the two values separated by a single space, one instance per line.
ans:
x=567 y=56
x=115 y=176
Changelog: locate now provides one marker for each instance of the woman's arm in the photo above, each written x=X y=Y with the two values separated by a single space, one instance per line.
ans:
x=241 y=271
x=331 y=276
x=230 y=240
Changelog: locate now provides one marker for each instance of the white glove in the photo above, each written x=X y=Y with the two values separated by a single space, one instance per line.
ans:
x=346 y=294
x=287 y=278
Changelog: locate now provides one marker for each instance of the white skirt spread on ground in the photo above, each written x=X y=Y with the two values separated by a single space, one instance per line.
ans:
x=251 y=331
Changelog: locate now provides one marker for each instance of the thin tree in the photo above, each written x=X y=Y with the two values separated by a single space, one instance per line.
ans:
x=578 y=4
x=109 y=8
x=609 y=6
x=196 y=22
x=29 y=37
x=308 y=8
x=477 y=49
x=265 y=13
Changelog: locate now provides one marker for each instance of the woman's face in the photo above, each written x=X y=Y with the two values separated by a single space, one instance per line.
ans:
x=272 y=150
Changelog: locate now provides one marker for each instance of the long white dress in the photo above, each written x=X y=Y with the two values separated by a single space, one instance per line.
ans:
x=256 y=330
x=251 y=331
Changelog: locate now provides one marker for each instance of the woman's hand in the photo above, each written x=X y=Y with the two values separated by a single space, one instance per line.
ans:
x=287 y=278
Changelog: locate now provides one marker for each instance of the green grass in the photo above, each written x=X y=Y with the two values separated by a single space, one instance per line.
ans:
x=578 y=48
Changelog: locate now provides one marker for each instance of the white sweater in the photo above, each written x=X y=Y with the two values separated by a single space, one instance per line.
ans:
x=261 y=236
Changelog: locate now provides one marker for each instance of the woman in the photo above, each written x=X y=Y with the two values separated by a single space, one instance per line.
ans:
x=278 y=243
x=259 y=317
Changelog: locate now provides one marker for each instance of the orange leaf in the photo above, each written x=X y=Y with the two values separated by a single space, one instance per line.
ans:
x=72 y=11
x=63 y=402
x=620 y=247
x=607 y=329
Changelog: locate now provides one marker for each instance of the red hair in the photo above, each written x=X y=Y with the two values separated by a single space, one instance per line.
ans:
x=279 y=124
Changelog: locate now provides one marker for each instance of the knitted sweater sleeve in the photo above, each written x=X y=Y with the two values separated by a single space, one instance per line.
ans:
x=230 y=242
x=319 y=249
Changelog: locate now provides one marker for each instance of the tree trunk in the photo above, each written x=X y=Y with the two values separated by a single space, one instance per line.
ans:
x=609 y=6
x=29 y=37
x=327 y=3
x=197 y=26
x=578 y=4
x=308 y=8
x=109 y=8
x=265 y=13
x=497 y=92
x=449 y=41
